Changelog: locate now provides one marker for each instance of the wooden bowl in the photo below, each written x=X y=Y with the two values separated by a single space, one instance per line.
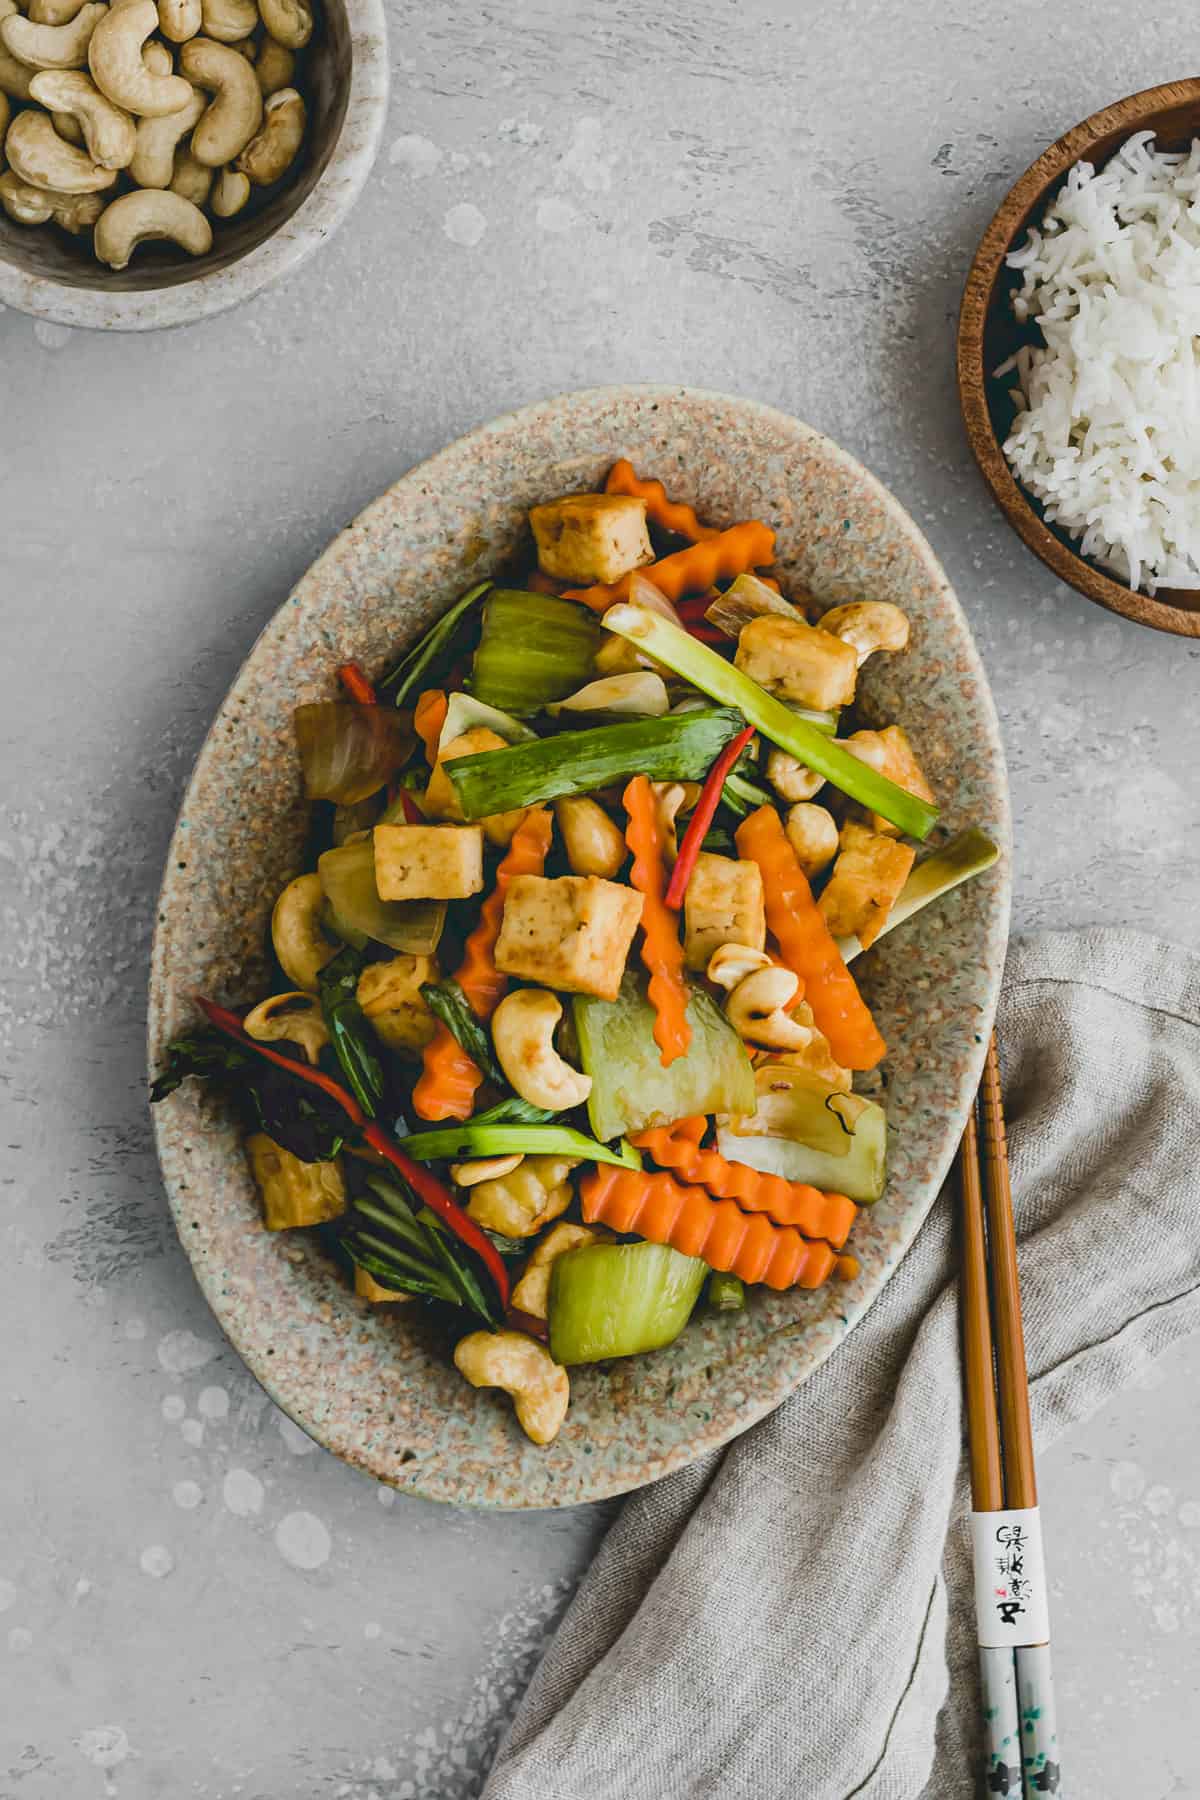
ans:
x=988 y=334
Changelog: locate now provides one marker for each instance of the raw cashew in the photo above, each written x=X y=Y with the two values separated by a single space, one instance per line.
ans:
x=731 y=963
x=483 y=1168
x=153 y=164
x=27 y=205
x=15 y=75
x=300 y=944
x=594 y=845
x=532 y=1293
x=145 y=215
x=289 y=22
x=867 y=625
x=231 y=191
x=275 y=66
x=192 y=180
x=179 y=20
x=54 y=46
x=523 y=1035
x=66 y=124
x=53 y=12
x=540 y=1388
x=273 y=150
x=228 y=21
x=756 y=1006
x=40 y=156
x=122 y=73
x=236 y=110
x=813 y=834
x=293 y=1018
x=792 y=779
x=156 y=56
x=109 y=132
x=5 y=116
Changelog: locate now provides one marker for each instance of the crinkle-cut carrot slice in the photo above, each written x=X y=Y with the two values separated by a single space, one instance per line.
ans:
x=672 y=515
x=817 y=1215
x=662 y=952
x=429 y=715
x=732 y=552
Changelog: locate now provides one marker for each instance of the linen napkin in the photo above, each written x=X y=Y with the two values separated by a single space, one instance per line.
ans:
x=793 y=1615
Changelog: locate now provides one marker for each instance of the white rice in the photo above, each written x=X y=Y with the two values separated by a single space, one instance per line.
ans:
x=1107 y=433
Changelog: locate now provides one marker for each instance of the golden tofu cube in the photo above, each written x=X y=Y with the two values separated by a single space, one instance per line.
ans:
x=294 y=1193
x=798 y=662
x=870 y=870
x=586 y=538
x=723 y=905
x=572 y=933
x=441 y=799
x=367 y=1288
x=390 y=996
x=428 y=862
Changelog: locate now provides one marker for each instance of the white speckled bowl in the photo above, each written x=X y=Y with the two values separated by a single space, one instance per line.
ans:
x=53 y=276
x=378 y=1388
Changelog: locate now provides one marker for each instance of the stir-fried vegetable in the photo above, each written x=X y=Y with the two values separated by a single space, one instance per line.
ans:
x=349 y=751
x=460 y=1143
x=464 y=712
x=806 y=1131
x=726 y=1293
x=702 y=818
x=680 y=747
x=406 y=1249
x=447 y=1002
x=432 y=653
x=611 y=1300
x=710 y=673
x=302 y=1120
x=968 y=854
x=348 y=879
x=745 y=599
x=349 y=1033
x=534 y=648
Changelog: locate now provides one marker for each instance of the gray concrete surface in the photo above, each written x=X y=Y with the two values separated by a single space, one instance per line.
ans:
x=772 y=199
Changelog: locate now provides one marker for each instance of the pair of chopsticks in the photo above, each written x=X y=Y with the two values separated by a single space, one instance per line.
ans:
x=1021 y=1743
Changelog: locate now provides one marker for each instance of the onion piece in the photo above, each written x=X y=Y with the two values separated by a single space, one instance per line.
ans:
x=642 y=592
x=347 y=751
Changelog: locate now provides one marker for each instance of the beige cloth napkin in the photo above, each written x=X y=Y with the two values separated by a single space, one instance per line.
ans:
x=793 y=1616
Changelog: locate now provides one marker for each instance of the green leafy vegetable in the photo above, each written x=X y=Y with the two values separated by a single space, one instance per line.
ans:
x=514 y=1111
x=460 y=1143
x=447 y=1002
x=611 y=1300
x=352 y=1039
x=968 y=854
x=296 y=1116
x=630 y=1087
x=419 y=666
x=534 y=648
x=404 y=1246
x=742 y=795
x=681 y=747
x=669 y=644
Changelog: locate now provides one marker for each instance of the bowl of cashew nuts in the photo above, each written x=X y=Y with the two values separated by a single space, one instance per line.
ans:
x=161 y=160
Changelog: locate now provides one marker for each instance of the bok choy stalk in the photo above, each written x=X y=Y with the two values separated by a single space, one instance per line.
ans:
x=447 y=1002
x=970 y=853
x=620 y=1300
x=681 y=747
x=534 y=648
x=404 y=1247
x=666 y=643
x=461 y=1143
x=431 y=653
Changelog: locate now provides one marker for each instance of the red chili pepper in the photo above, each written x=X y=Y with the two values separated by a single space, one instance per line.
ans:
x=357 y=685
x=526 y=1322
x=694 y=607
x=412 y=811
x=705 y=633
x=425 y=1185
x=702 y=818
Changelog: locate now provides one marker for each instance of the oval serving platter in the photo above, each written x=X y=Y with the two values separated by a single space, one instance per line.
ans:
x=379 y=1390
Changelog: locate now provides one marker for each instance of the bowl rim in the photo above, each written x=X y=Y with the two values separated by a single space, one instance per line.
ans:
x=979 y=294
x=314 y=221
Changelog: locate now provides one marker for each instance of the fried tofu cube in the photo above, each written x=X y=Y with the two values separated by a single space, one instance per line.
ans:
x=798 y=662
x=428 y=862
x=441 y=798
x=294 y=1193
x=572 y=933
x=870 y=870
x=585 y=538
x=723 y=905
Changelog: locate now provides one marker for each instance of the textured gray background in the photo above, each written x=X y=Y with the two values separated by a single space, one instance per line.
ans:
x=756 y=197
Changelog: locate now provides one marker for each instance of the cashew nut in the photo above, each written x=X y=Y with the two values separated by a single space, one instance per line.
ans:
x=532 y=1293
x=179 y=20
x=593 y=843
x=38 y=155
x=540 y=1388
x=294 y=1018
x=867 y=625
x=144 y=216
x=792 y=779
x=518 y=1204
x=813 y=834
x=756 y=1006
x=54 y=46
x=122 y=73
x=483 y=1168
x=27 y=205
x=109 y=132
x=156 y=56
x=229 y=21
x=66 y=124
x=231 y=190
x=390 y=995
x=153 y=164
x=670 y=799
x=812 y=1055
x=523 y=1035
x=5 y=116
x=15 y=75
x=52 y=12
x=300 y=944
x=273 y=150
x=731 y=963
x=193 y=180
x=236 y=110
x=275 y=66
x=289 y=22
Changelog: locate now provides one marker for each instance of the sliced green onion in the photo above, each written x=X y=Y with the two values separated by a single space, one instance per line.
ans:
x=461 y=1143
x=710 y=673
x=534 y=648
x=681 y=747
x=514 y=1111
x=968 y=854
x=419 y=665
x=726 y=1293
x=742 y=796
x=352 y=1039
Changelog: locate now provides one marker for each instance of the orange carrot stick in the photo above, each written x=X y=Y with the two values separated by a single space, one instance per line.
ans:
x=672 y=515
x=429 y=715
x=807 y=946
x=659 y=1208
x=449 y=1079
x=662 y=952
x=817 y=1215
x=732 y=552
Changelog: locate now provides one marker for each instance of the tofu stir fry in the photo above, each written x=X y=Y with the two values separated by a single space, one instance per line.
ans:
x=565 y=1032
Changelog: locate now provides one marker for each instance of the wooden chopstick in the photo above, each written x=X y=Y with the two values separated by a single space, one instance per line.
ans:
x=983 y=1427
x=1020 y=1480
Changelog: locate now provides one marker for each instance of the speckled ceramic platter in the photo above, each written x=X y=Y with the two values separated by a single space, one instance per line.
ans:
x=375 y=1387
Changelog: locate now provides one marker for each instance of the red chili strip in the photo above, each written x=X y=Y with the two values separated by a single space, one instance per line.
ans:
x=693 y=609
x=357 y=685
x=705 y=633
x=412 y=811
x=702 y=818
x=526 y=1322
x=231 y=1025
